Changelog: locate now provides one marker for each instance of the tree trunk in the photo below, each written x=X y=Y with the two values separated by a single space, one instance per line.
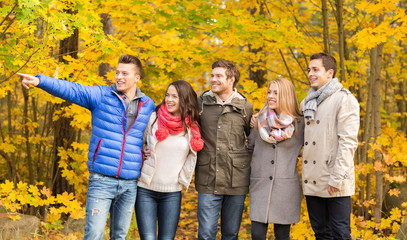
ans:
x=369 y=175
x=64 y=133
x=401 y=103
x=258 y=74
x=366 y=139
x=325 y=25
x=108 y=29
x=64 y=136
x=27 y=135
x=12 y=158
x=341 y=36
x=400 y=89
x=376 y=55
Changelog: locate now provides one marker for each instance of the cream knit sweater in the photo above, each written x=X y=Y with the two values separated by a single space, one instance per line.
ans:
x=171 y=164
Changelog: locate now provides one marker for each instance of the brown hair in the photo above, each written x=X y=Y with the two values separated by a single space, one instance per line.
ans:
x=328 y=61
x=127 y=58
x=188 y=102
x=231 y=69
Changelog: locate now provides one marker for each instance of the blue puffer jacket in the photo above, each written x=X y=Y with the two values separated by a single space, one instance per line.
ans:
x=113 y=150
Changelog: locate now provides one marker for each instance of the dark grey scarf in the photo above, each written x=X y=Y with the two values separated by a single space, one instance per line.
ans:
x=315 y=97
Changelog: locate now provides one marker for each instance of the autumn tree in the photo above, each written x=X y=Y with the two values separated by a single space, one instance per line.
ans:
x=179 y=40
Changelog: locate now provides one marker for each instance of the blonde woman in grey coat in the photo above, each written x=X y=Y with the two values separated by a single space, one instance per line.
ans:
x=276 y=141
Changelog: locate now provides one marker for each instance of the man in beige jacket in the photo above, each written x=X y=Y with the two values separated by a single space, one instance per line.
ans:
x=330 y=139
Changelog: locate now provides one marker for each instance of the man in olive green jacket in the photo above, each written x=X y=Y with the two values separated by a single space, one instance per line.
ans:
x=222 y=173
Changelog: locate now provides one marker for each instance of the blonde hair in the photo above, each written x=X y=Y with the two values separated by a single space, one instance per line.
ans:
x=286 y=98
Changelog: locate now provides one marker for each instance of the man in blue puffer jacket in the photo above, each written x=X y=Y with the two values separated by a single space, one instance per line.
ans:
x=119 y=116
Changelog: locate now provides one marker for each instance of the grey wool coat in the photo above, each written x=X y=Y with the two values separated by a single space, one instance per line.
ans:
x=275 y=187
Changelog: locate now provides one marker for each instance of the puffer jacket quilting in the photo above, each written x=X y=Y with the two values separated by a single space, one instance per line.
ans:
x=113 y=150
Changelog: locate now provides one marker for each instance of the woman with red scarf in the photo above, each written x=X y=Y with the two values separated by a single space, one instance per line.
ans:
x=173 y=138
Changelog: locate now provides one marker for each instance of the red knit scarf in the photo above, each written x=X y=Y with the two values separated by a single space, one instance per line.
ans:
x=169 y=124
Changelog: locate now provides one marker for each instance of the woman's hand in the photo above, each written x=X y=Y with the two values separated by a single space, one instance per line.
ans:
x=253 y=120
x=146 y=151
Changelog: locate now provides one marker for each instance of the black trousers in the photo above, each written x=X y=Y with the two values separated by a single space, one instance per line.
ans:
x=329 y=217
x=281 y=231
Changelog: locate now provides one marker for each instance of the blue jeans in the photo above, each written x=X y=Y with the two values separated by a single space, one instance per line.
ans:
x=329 y=217
x=231 y=208
x=162 y=206
x=109 y=194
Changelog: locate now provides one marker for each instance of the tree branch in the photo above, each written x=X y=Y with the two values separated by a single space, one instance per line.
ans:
x=28 y=60
x=8 y=14
x=9 y=161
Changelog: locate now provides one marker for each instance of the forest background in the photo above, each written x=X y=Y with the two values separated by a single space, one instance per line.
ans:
x=43 y=140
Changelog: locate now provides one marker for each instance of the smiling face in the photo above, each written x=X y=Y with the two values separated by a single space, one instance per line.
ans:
x=221 y=85
x=272 y=97
x=172 y=101
x=126 y=79
x=317 y=75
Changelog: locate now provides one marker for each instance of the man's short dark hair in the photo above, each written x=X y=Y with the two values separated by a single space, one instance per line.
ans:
x=127 y=58
x=231 y=69
x=328 y=61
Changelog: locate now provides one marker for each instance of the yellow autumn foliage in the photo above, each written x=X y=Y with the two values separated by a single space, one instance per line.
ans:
x=180 y=40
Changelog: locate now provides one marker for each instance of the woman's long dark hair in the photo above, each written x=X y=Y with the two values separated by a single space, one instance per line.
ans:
x=188 y=102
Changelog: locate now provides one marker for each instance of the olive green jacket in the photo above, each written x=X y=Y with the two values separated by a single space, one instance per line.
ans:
x=223 y=165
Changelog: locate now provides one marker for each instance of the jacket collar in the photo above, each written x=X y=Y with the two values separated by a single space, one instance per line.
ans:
x=237 y=101
x=139 y=93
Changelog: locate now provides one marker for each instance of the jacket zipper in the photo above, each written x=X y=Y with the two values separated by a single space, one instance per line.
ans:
x=125 y=133
x=96 y=152
x=124 y=141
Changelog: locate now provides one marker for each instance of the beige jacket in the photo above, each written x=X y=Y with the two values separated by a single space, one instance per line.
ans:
x=330 y=141
x=147 y=171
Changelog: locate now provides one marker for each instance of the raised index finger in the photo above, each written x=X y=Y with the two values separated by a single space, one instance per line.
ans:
x=24 y=75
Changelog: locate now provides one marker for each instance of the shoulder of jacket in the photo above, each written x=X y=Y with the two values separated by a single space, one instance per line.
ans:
x=152 y=118
x=206 y=94
x=345 y=97
x=148 y=103
x=346 y=94
x=240 y=96
x=345 y=91
x=145 y=98
x=249 y=104
x=240 y=101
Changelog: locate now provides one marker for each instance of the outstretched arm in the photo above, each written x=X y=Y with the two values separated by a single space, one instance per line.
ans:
x=85 y=96
x=29 y=80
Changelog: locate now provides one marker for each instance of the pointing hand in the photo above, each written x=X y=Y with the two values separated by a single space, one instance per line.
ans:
x=29 y=80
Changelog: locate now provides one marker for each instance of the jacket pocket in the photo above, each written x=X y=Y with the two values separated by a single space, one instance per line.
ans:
x=241 y=169
x=95 y=153
x=202 y=168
